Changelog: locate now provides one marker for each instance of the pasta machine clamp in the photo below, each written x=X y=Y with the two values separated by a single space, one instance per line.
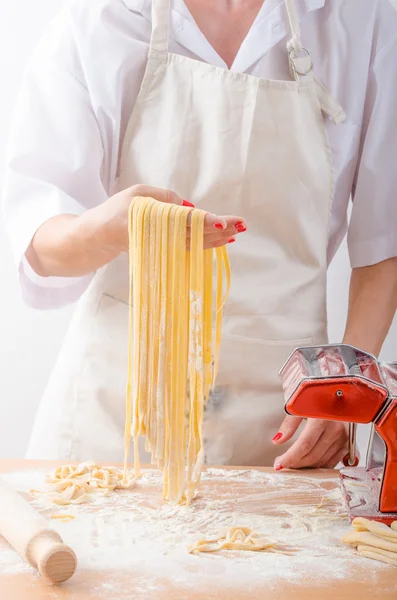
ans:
x=343 y=383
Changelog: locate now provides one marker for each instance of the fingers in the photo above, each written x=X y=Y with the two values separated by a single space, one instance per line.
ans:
x=319 y=445
x=330 y=460
x=233 y=223
x=287 y=429
x=213 y=243
x=332 y=456
x=337 y=450
x=218 y=230
x=211 y=238
x=228 y=225
x=214 y=223
x=218 y=243
x=295 y=456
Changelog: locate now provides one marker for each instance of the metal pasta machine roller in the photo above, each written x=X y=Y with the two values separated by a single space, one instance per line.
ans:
x=342 y=383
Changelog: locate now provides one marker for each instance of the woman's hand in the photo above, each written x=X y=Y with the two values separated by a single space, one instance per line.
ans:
x=321 y=444
x=218 y=231
x=73 y=246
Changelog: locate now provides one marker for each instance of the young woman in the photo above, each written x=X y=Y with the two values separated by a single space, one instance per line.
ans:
x=273 y=112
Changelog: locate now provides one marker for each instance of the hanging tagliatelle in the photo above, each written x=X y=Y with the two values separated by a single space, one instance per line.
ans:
x=173 y=353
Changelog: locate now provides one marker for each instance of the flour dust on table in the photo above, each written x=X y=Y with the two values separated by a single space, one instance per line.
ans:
x=133 y=531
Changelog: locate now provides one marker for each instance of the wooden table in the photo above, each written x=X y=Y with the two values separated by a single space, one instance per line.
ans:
x=255 y=494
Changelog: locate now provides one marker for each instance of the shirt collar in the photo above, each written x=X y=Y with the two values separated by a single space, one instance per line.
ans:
x=144 y=6
x=269 y=28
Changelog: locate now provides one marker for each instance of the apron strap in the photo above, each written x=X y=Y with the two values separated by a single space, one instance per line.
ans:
x=295 y=43
x=300 y=62
x=301 y=66
x=160 y=25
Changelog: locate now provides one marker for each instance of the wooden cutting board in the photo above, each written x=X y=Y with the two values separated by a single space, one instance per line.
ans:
x=134 y=546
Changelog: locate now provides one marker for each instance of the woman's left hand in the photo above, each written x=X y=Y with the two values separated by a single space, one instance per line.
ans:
x=321 y=444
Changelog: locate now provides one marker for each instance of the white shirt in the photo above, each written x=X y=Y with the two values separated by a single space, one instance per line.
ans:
x=84 y=78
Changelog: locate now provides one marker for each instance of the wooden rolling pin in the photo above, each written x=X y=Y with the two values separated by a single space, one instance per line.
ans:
x=30 y=535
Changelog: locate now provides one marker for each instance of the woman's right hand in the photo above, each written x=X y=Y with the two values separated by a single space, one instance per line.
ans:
x=218 y=231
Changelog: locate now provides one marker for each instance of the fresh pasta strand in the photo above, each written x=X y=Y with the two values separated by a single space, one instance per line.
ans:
x=78 y=484
x=222 y=264
x=207 y=348
x=173 y=340
x=128 y=417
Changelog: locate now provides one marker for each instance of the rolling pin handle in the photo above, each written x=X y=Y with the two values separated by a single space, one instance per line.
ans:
x=29 y=533
x=54 y=560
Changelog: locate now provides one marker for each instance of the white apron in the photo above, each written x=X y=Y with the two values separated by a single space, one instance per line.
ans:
x=232 y=144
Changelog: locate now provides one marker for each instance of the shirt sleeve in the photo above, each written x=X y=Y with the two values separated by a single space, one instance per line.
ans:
x=372 y=234
x=55 y=158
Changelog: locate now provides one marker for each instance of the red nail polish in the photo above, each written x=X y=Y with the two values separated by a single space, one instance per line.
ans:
x=218 y=226
x=278 y=467
x=186 y=203
x=240 y=227
x=277 y=437
x=231 y=241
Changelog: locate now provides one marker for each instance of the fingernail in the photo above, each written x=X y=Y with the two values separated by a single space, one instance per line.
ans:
x=240 y=227
x=186 y=203
x=277 y=437
x=231 y=241
x=278 y=467
x=218 y=226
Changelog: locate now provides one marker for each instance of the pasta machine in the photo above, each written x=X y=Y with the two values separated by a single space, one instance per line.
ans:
x=343 y=383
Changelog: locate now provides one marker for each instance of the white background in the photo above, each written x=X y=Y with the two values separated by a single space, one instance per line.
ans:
x=30 y=340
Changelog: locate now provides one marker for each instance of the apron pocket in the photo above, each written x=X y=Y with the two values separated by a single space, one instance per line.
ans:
x=252 y=363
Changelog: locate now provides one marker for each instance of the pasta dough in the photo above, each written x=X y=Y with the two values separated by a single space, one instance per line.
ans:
x=235 y=538
x=389 y=558
x=172 y=353
x=356 y=538
x=74 y=484
x=374 y=540
x=361 y=524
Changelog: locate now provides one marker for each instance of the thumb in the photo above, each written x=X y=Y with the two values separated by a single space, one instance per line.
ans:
x=287 y=429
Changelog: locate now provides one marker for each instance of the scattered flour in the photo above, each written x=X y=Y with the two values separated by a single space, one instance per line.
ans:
x=134 y=532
